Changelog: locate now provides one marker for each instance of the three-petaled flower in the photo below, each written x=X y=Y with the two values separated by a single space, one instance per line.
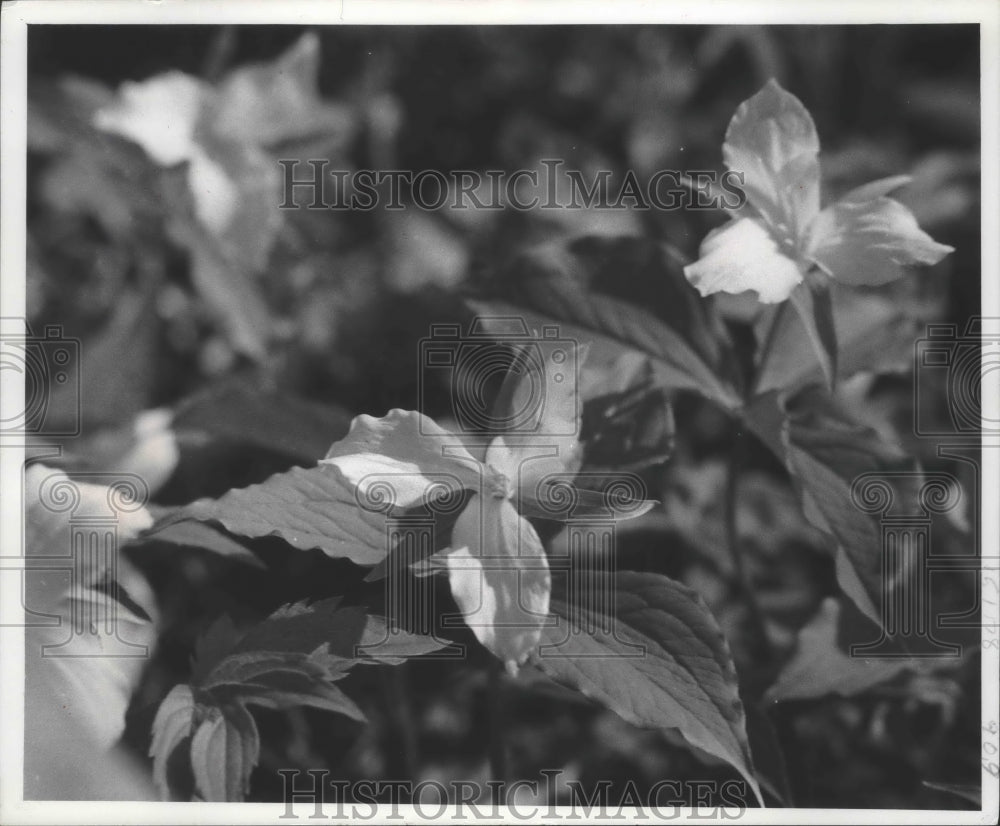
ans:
x=497 y=566
x=781 y=236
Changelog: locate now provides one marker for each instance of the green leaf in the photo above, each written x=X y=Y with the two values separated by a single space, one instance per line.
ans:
x=663 y=663
x=873 y=333
x=311 y=508
x=820 y=666
x=618 y=295
x=204 y=537
x=290 y=660
x=348 y=632
x=825 y=452
x=250 y=415
x=224 y=750
x=288 y=687
x=812 y=302
x=171 y=726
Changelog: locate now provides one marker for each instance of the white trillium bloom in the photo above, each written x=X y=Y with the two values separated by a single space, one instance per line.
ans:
x=781 y=233
x=496 y=564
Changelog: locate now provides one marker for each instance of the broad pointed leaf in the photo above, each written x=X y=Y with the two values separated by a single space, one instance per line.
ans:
x=825 y=453
x=873 y=333
x=171 y=726
x=619 y=295
x=347 y=632
x=658 y=659
x=822 y=665
x=307 y=508
x=224 y=751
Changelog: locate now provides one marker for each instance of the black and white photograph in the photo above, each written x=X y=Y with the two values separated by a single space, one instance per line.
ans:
x=499 y=412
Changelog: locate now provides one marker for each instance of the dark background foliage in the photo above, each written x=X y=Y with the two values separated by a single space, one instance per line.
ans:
x=347 y=298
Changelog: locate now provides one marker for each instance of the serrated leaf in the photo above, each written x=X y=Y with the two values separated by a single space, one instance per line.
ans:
x=291 y=689
x=311 y=508
x=347 y=632
x=214 y=645
x=590 y=289
x=171 y=726
x=204 y=537
x=224 y=751
x=663 y=663
x=281 y=680
x=246 y=667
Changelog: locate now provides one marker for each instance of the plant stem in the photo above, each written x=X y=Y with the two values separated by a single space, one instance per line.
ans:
x=757 y=619
x=768 y=344
x=497 y=724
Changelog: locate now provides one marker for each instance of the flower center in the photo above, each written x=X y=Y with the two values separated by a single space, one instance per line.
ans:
x=497 y=485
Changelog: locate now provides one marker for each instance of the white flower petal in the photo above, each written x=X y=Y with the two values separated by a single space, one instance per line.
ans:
x=499 y=576
x=159 y=114
x=743 y=256
x=406 y=453
x=772 y=141
x=870 y=242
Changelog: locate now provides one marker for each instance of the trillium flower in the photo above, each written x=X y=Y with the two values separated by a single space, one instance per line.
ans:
x=221 y=131
x=497 y=567
x=781 y=244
